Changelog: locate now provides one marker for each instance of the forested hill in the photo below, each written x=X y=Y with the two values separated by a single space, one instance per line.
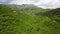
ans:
x=14 y=21
x=51 y=12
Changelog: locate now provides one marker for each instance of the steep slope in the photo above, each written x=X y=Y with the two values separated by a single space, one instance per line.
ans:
x=54 y=24
x=14 y=21
x=51 y=12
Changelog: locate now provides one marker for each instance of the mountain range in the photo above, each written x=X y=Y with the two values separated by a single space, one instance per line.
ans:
x=23 y=6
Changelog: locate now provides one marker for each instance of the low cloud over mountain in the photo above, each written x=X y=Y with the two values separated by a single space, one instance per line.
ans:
x=39 y=3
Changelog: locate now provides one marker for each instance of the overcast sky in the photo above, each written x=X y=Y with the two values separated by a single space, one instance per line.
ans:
x=40 y=3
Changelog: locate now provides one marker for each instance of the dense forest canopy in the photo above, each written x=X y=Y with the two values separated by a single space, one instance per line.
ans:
x=29 y=21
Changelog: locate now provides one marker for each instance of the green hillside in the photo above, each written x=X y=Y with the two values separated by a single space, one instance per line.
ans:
x=14 y=21
x=54 y=15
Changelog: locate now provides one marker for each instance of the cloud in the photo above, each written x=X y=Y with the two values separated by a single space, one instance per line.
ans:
x=39 y=3
x=19 y=2
x=3 y=0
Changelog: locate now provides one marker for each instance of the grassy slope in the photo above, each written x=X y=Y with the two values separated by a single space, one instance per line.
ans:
x=54 y=24
x=13 y=21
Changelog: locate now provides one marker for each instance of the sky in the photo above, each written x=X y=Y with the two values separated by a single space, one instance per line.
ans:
x=39 y=3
